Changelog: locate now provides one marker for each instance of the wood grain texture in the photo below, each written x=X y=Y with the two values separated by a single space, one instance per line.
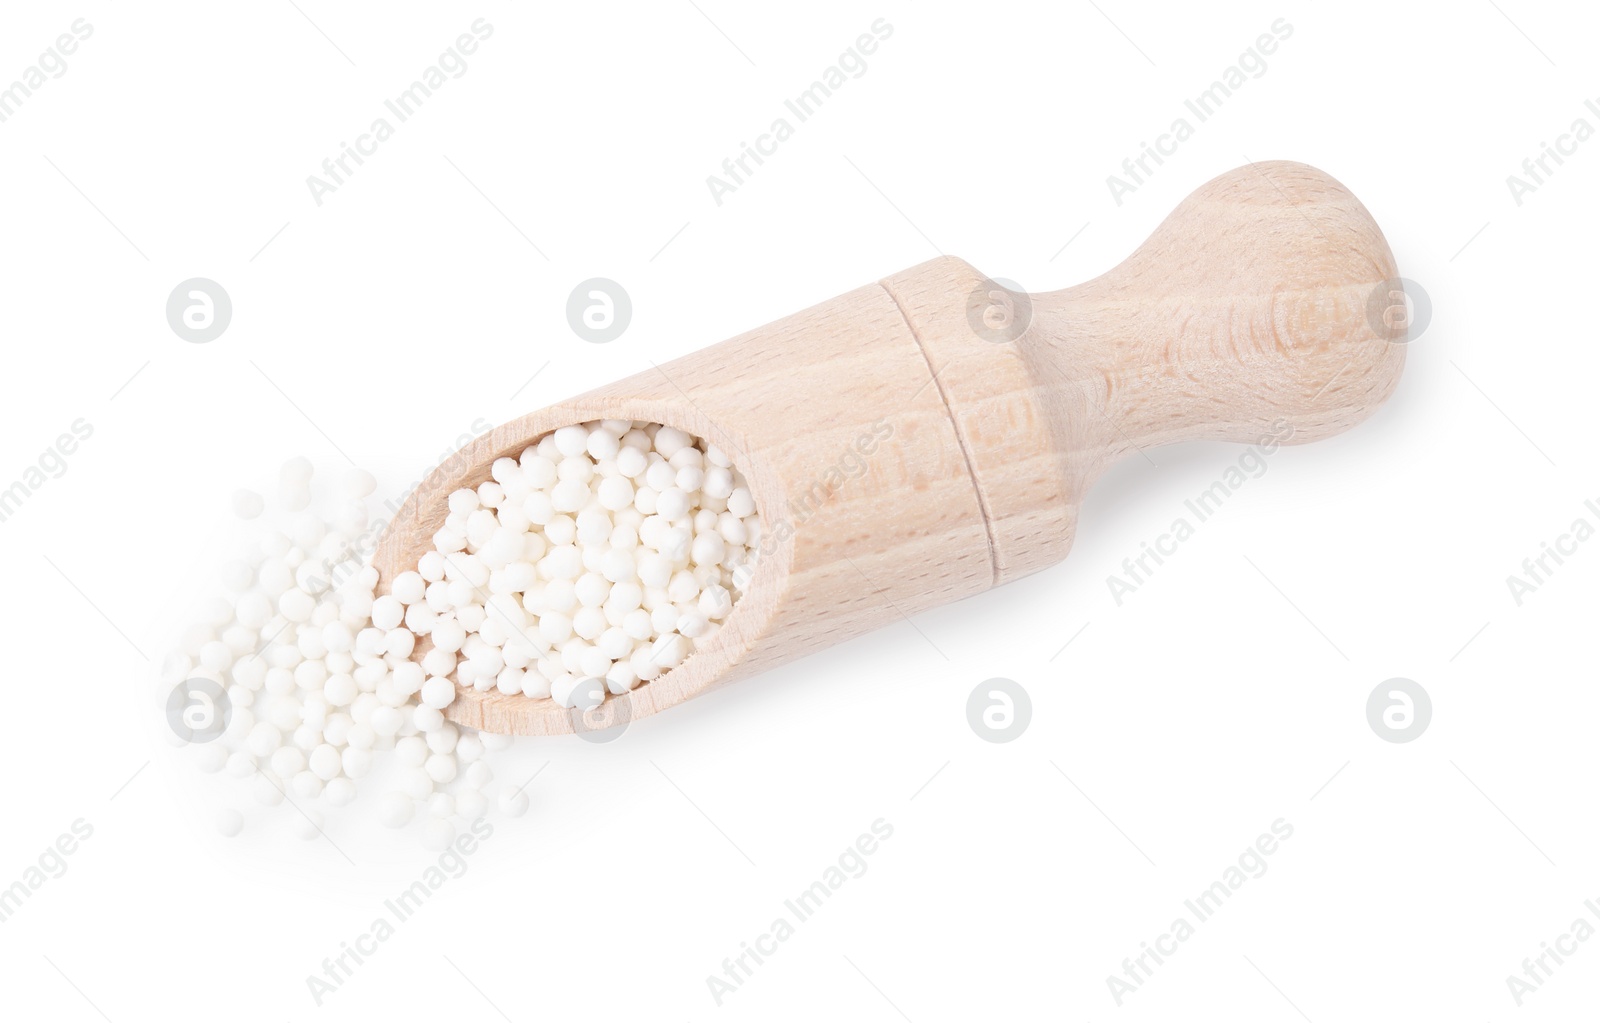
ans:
x=1248 y=305
x=900 y=460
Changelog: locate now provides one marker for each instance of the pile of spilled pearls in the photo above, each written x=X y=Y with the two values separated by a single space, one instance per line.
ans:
x=605 y=553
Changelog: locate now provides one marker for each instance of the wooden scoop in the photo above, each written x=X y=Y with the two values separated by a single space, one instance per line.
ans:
x=930 y=436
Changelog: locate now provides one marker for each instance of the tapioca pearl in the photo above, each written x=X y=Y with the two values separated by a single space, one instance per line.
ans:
x=494 y=631
x=570 y=441
x=692 y=624
x=486 y=660
x=715 y=602
x=592 y=663
x=535 y=685
x=385 y=721
x=689 y=479
x=509 y=681
x=481 y=526
x=603 y=444
x=442 y=739
x=539 y=508
x=708 y=549
x=247 y=504
x=427 y=719
x=537 y=468
x=421 y=618
x=469 y=568
x=593 y=528
x=672 y=503
x=296 y=604
x=660 y=475
x=591 y=589
x=519 y=576
x=457 y=593
x=631 y=461
x=625 y=538
x=511 y=514
x=305 y=785
x=687 y=458
x=399 y=643
x=441 y=768
x=555 y=627
x=431 y=566
x=718 y=482
x=287 y=761
x=615 y=643
x=621 y=678
x=559 y=595
x=677 y=543
x=490 y=494
x=339 y=690
x=563 y=562
x=668 y=441
x=438 y=661
x=504 y=546
x=387 y=613
x=336 y=726
x=618 y=565
x=325 y=762
x=314 y=711
x=642 y=664
x=408 y=587
x=438 y=693
x=504 y=469
x=589 y=623
x=519 y=651
x=563 y=690
x=467 y=674
x=229 y=822
x=575 y=470
x=569 y=496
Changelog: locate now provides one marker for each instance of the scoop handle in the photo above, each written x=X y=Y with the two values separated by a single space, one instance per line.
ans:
x=1257 y=309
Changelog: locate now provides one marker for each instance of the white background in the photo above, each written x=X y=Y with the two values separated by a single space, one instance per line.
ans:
x=1173 y=730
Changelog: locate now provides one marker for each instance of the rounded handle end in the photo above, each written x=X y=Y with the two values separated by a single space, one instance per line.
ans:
x=1262 y=306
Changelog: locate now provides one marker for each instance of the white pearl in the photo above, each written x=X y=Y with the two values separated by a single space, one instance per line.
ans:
x=441 y=767
x=438 y=693
x=247 y=504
